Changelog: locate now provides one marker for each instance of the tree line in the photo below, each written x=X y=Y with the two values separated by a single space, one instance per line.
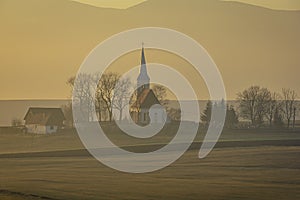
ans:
x=260 y=106
x=111 y=92
x=256 y=104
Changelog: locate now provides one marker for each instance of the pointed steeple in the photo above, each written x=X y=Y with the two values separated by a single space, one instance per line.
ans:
x=143 y=78
x=143 y=70
x=143 y=59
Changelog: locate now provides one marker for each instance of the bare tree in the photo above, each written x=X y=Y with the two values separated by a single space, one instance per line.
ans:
x=278 y=119
x=105 y=90
x=84 y=92
x=294 y=117
x=274 y=107
x=253 y=104
x=289 y=97
x=71 y=82
x=100 y=107
x=161 y=94
x=264 y=98
x=122 y=94
x=108 y=94
x=248 y=101
x=174 y=114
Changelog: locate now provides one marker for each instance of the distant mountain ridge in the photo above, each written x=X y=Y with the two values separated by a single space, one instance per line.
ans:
x=275 y=6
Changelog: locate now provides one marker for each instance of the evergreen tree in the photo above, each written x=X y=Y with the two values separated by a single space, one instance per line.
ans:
x=231 y=117
x=206 y=115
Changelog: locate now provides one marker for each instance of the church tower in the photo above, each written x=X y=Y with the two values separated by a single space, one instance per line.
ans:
x=143 y=79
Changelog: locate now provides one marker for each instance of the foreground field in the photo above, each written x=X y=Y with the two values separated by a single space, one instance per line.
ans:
x=245 y=165
x=263 y=172
x=17 y=142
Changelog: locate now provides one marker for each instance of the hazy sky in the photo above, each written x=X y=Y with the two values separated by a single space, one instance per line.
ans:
x=273 y=4
x=41 y=49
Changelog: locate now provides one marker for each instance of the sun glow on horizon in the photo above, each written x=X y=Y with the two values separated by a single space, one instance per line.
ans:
x=119 y=4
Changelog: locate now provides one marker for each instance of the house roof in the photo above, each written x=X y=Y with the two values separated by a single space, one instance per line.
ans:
x=44 y=116
x=146 y=99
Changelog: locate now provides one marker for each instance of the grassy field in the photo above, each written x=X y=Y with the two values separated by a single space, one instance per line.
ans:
x=260 y=171
x=16 y=142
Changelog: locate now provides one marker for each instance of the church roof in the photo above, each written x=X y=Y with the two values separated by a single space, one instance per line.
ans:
x=146 y=99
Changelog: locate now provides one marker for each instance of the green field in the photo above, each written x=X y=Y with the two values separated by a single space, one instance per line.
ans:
x=269 y=168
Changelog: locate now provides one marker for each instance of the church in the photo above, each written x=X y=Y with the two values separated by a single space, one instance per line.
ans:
x=145 y=99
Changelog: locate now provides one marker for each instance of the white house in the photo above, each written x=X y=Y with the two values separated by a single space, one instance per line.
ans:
x=44 y=120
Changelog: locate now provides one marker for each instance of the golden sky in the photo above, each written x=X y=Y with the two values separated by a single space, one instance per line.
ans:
x=43 y=43
x=273 y=4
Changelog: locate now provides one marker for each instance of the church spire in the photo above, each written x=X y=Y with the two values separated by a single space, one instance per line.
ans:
x=143 y=59
x=143 y=78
